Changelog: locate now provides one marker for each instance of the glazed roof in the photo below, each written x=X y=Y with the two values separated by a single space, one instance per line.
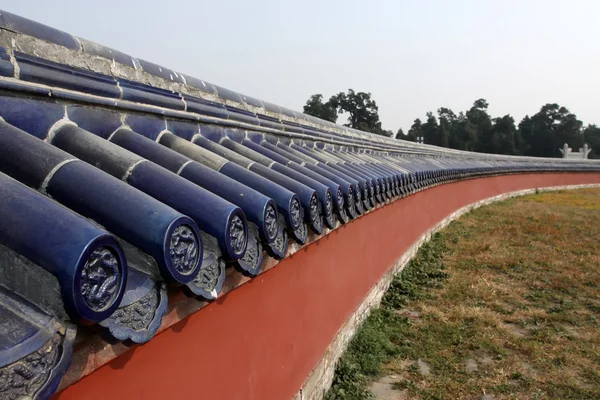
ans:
x=125 y=185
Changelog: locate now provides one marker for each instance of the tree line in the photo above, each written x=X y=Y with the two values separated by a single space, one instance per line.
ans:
x=539 y=135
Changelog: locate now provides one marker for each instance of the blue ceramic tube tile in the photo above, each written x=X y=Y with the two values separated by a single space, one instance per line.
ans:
x=286 y=201
x=195 y=105
x=170 y=237
x=337 y=185
x=362 y=169
x=6 y=67
x=270 y=124
x=96 y=49
x=375 y=179
x=145 y=94
x=272 y=107
x=368 y=186
x=348 y=185
x=336 y=191
x=200 y=84
x=252 y=101
x=227 y=94
x=38 y=70
x=19 y=24
x=237 y=114
x=214 y=215
x=393 y=169
x=301 y=173
x=323 y=192
x=376 y=168
x=307 y=196
x=157 y=70
x=259 y=209
x=390 y=166
x=360 y=187
x=367 y=183
x=87 y=261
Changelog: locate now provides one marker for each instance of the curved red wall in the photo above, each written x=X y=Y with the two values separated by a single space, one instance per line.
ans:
x=261 y=340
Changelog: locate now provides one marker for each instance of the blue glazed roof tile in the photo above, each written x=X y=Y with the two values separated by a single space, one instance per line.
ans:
x=99 y=121
x=33 y=116
x=200 y=106
x=35 y=348
x=162 y=72
x=15 y=23
x=200 y=84
x=227 y=94
x=35 y=69
x=145 y=94
x=6 y=67
x=108 y=53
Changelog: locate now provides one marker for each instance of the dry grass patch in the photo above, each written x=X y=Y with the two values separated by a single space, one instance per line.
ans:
x=504 y=304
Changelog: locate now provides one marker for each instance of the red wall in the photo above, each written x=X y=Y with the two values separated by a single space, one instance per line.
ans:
x=262 y=340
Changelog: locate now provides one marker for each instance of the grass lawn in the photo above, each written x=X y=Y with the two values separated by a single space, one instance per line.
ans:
x=502 y=304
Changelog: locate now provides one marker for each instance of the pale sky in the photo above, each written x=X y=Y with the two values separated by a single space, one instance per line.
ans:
x=413 y=56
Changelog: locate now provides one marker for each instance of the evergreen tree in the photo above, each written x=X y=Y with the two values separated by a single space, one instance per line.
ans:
x=448 y=126
x=591 y=134
x=548 y=130
x=504 y=136
x=416 y=131
x=482 y=122
x=539 y=135
x=430 y=130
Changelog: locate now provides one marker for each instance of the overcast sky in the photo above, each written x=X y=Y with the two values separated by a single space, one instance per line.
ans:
x=413 y=56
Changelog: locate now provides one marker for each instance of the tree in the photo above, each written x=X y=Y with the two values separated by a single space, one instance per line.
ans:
x=465 y=137
x=539 y=135
x=430 y=130
x=591 y=134
x=526 y=133
x=504 y=136
x=410 y=136
x=448 y=126
x=416 y=131
x=443 y=136
x=315 y=107
x=547 y=131
x=482 y=122
x=363 y=111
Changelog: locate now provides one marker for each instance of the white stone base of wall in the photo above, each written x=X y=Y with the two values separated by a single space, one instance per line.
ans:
x=321 y=377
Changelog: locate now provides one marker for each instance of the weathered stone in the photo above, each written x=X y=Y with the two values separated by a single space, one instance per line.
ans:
x=471 y=366
x=424 y=368
x=385 y=390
